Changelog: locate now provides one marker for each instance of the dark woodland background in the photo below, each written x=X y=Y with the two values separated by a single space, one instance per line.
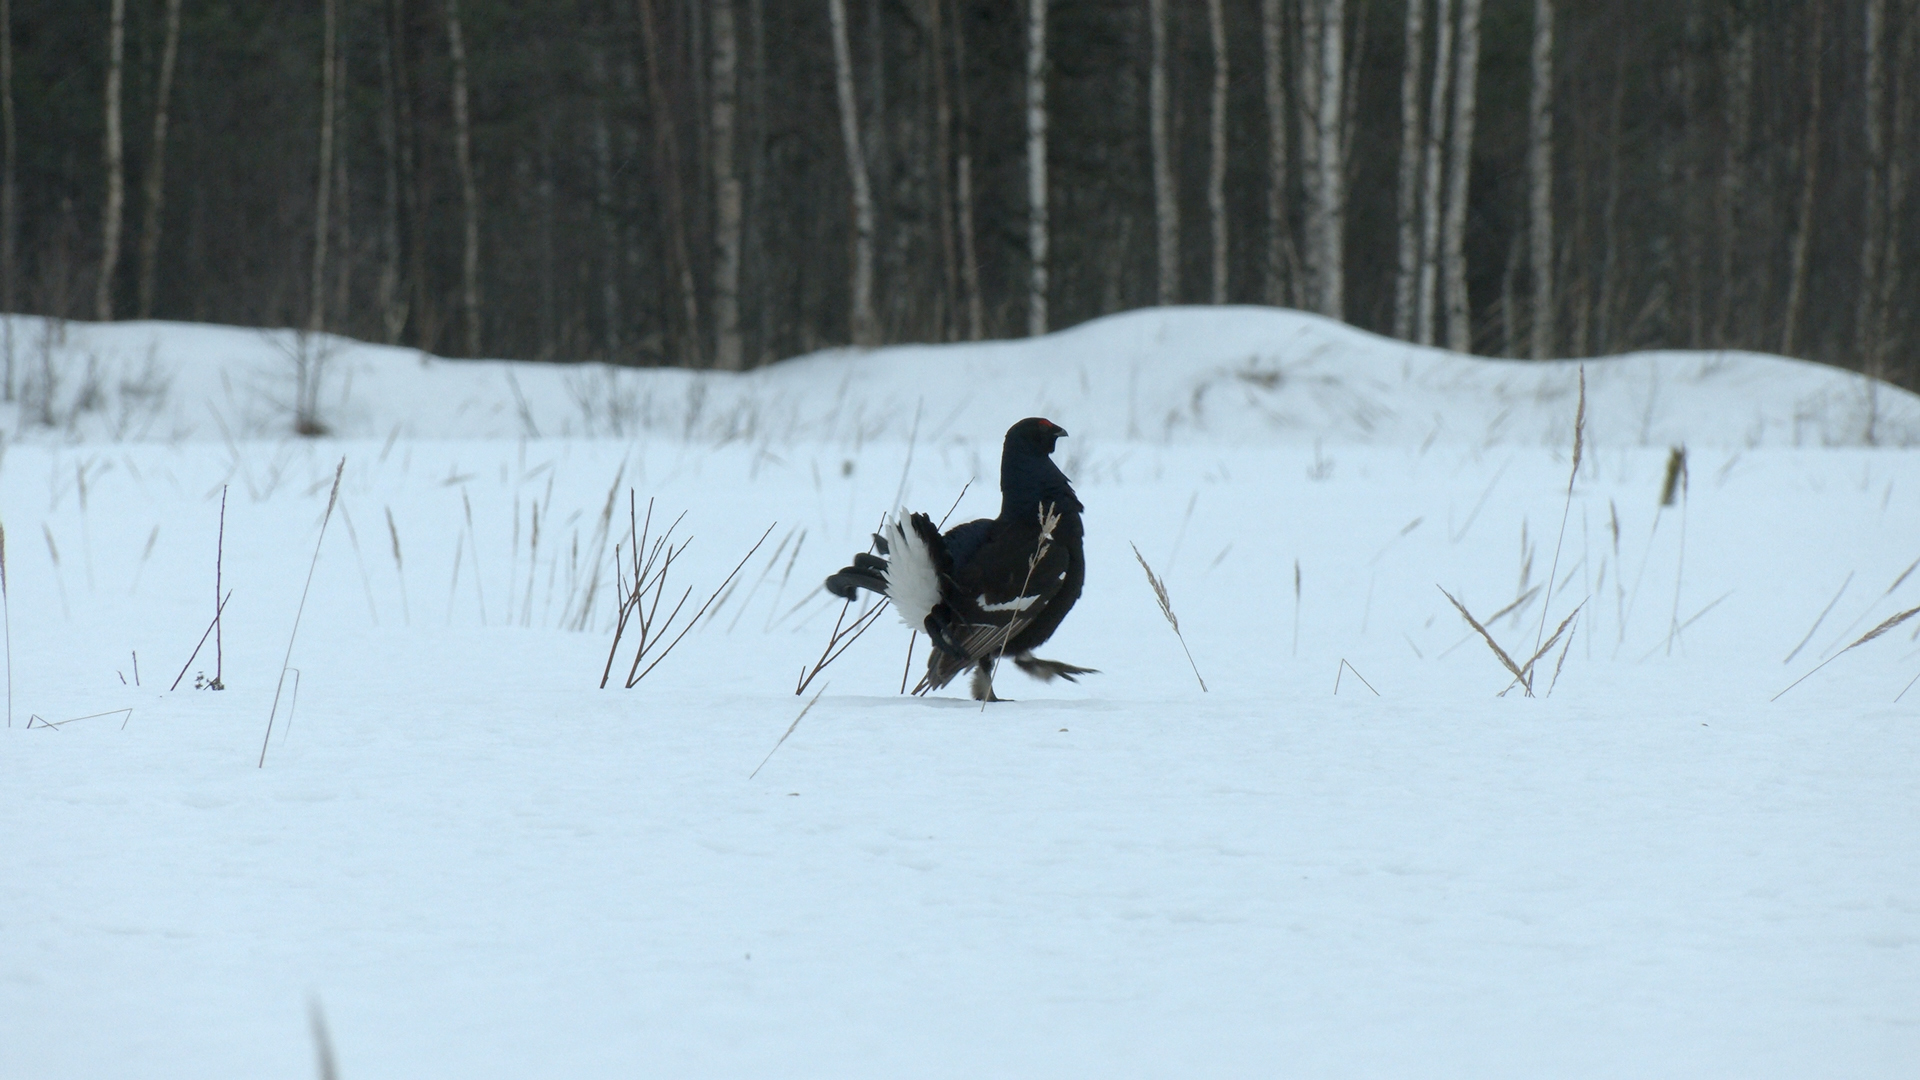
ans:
x=1725 y=173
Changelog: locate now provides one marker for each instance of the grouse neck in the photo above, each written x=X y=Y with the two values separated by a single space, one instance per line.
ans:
x=1028 y=480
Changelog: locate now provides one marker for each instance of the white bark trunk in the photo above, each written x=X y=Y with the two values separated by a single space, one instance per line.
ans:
x=157 y=163
x=1037 y=166
x=1867 y=315
x=1459 y=167
x=727 y=351
x=1733 y=169
x=1809 y=178
x=1217 y=145
x=11 y=149
x=1272 y=25
x=469 y=191
x=1540 y=181
x=323 y=186
x=963 y=189
x=1407 y=270
x=864 y=329
x=1166 y=197
x=1331 y=188
x=610 y=310
x=115 y=163
x=1426 y=306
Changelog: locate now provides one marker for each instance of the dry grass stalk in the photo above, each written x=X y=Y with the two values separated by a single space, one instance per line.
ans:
x=1579 y=444
x=218 y=608
x=1889 y=624
x=1166 y=609
x=1491 y=644
x=333 y=497
x=790 y=728
x=1049 y=521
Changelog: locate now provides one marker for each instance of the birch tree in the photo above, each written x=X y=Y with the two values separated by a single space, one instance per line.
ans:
x=1407 y=265
x=727 y=350
x=865 y=331
x=469 y=191
x=8 y=223
x=115 y=161
x=1540 y=180
x=1809 y=180
x=1037 y=166
x=157 y=162
x=963 y=190
x=1867 y=314
x=1166 y=196
x=667 y=159
x=1217 y=145
x=1324 y=84
x=1432 y=160
x=1279 y=236
x=323 y=190
x=1460 y=160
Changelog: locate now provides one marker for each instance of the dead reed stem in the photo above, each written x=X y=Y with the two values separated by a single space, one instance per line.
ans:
x=219 y=559
x=286 y=661
x=1343 y=669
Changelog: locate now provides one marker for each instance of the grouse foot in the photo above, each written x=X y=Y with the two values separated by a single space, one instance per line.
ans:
x=983 y=682
x=1048 y=670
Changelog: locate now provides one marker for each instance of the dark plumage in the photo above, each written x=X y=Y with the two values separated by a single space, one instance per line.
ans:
x=992 y=587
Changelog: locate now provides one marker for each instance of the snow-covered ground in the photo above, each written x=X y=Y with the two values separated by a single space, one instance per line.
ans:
x=473 y=861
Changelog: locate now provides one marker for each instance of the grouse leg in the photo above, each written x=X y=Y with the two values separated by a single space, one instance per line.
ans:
x=983 y=681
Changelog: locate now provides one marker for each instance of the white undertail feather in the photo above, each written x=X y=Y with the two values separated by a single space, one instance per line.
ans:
x=912 y=582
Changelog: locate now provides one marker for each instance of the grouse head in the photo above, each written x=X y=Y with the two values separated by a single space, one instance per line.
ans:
x=1028 y=475
x=1034 y=434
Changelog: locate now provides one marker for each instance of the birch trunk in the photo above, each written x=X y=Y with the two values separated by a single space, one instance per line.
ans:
x=1809 y=180
x=864 y=330
x=157 y=162
x=943 y=170
x=7 y=221
x=1279 y=236
x=1465 y=82
x=1331 y=163
x=469 y=192
x=1867 y=314
x=1307 y=102
x=1426 y=303
x=323 y=186
x=727 y=352
x=1733 y=169
x=1907 y=64
x=1540 y=182
x=1217 y=145
x=667 y=155
x=1407 y=271
x=963 y=188
x=610 y=308
x=1166 y=197
x=115 y=163
x=1037 y=166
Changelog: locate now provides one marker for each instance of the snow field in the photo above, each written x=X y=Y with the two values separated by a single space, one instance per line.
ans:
x=479 y=863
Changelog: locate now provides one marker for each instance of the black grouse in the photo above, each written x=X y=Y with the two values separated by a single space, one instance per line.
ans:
x=992 y=587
